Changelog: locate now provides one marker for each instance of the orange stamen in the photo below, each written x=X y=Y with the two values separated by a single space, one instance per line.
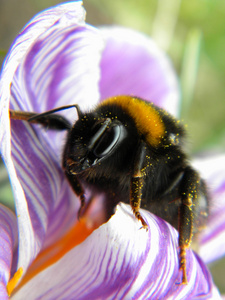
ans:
x=14 y=280
x=76 y=235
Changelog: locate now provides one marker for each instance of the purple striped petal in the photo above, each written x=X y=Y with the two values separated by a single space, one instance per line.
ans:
x=122 y=261
x=8 y=244
x=132 y=64
x=60 y=65
x=57 y=69
x=53 y=60
x=212 y=239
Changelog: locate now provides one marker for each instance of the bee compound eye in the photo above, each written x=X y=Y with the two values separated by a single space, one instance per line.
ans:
x=108 y=141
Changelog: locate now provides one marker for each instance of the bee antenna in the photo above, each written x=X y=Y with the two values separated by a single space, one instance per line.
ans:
x=78 y=111
x=49 y=112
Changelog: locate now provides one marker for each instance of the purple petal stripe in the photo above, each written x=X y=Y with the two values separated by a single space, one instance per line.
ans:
x=8 y=244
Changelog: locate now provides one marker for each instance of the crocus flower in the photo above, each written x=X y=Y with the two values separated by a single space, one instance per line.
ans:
x=58 y=59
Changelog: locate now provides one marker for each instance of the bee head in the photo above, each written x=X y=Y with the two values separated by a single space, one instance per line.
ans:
x=91 y=141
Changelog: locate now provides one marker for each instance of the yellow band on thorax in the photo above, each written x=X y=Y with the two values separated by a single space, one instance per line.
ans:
x=147 y=119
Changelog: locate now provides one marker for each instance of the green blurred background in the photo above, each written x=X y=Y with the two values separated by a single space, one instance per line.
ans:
x=191 y=32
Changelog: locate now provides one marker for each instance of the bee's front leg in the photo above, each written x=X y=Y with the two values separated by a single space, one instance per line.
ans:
x=46 y=119
x=137 y=182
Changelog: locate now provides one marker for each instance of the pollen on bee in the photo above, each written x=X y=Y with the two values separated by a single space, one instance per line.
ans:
x=204 y=213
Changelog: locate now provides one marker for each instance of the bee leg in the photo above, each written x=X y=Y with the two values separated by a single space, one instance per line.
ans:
x=79 y=191
x=137 y=181
x=189 y=191
x=135 y=199
x=55 y=122
x=21 y=115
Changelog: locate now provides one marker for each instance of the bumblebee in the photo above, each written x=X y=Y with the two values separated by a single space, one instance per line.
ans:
x=133 y=151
